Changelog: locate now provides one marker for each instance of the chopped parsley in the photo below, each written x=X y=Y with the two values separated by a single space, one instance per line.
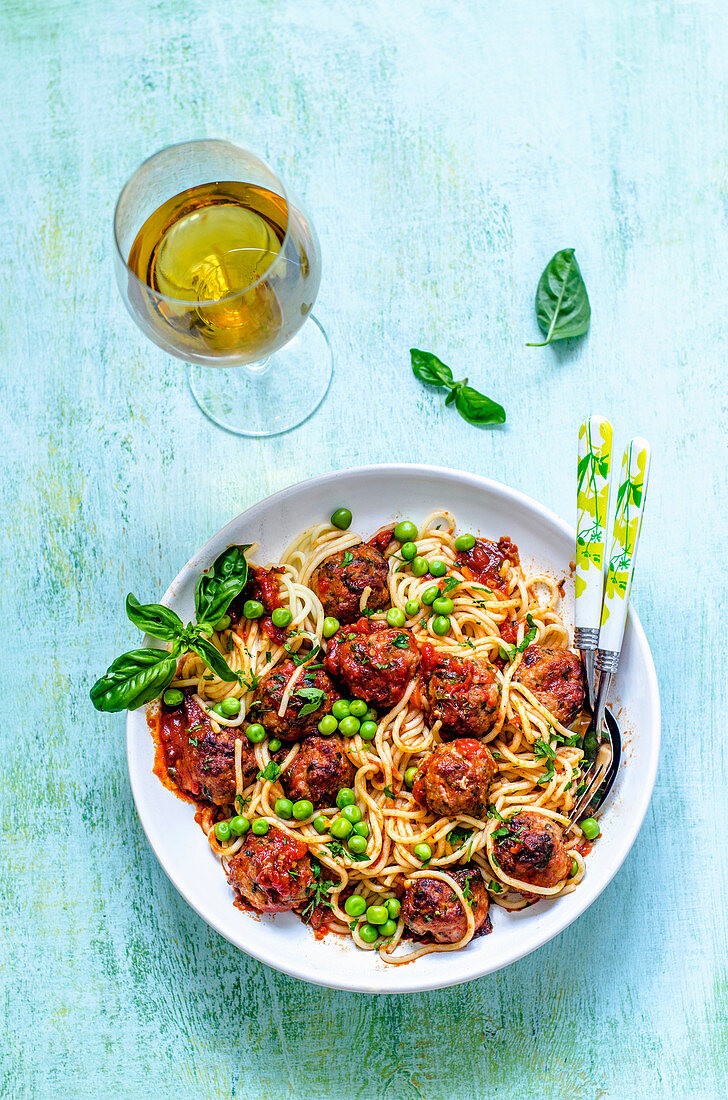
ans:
x=347 y=558
x=495 y=887
x=317 y=892
x=389 y=792
x=251 y=683
x=492 y=812
x=192 y=741
x=267 y=656
x=199 y=726
x=459 y=836
x=467 y=642
x=401 y=641
x=450 y=583
x=270 y=772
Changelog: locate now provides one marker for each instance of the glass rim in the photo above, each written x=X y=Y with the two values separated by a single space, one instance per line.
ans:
x=199 y=301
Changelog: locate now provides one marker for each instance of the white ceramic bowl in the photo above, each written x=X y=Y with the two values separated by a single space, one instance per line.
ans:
x=375 y=495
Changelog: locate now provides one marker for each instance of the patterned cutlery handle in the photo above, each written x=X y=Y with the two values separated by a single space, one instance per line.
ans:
x=592 y=498
x=629 y=510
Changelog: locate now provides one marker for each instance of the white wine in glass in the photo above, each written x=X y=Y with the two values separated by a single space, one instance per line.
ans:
x=224 y=272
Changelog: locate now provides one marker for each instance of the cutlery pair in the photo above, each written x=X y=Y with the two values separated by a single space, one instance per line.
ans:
x=603 y=586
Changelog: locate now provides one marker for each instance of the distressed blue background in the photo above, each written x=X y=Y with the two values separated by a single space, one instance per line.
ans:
x=445 y=152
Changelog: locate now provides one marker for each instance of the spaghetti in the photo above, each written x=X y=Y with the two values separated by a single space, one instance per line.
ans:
x=537 y=758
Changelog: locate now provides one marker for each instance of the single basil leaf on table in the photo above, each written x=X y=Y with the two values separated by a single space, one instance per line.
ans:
x=134 y=679
x=428 y=368
x=476 y=408
x=216 y=588
x=562 y=303
x=154 y=619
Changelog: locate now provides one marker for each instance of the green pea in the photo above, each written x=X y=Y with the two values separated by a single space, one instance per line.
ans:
x=443 y=605
x=423 y=852
x=441 y=624
x=302 y=809
x=409 y=776
x=259 y=827
x=340 y=709
x=321 y=824
x=357 y=845
x=393 y=907
x=465 y=542
x=430 y=595
x=284 y=808
x=230 y=707
x=408 y=550
x=331 y=625
x=253 y=609
x=377 y=914
x=361 y=828
x=255 y=733
x=349 y=726
x=345 y=797
x=341 y=519
x=239 y=826
x=222 y=830
x=371 y=715
x=395 y=617
x=590 y=828
x=216 y=709
x=405 y=531
x=355 y=906
x=281 y=617
x=438 y=568
x=387 y=929
x=368 y=731
x=173 y=697
x=420 y=566
x=341 y=828
x=274 y=744
x=368 y=933
x=222 y=624
x=351 y=813
x=574 y=868
x=328 y=725
x=411 y=608
x=358 y=708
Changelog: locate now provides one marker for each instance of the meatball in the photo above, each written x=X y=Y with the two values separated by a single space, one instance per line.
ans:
x=272 y=872
x=464 y=696
x=431 y=908
x=319 y=770
x=376 y=662
x=484 y=562
x=530 y=847
x=456 y=778
x=340 y=580
x=201 y=761
x=313 y=687
x=554 y=676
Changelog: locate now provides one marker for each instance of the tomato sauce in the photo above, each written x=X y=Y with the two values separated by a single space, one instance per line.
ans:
x=382 y=539
x=484 y=562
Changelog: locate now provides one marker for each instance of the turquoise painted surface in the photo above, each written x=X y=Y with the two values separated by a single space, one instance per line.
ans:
x=445 y=152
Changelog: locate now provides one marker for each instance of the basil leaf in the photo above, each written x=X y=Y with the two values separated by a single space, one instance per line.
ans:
x=472 y=405
x=134 y=679
x=315 y=696
x=213 y=658
x=428 y=368
x=562 y=303
x=476 y=408
x=216 y=588
x=270 y=772
x=152 y=618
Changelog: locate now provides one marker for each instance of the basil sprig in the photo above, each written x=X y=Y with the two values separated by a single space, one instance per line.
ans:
x=472 y=405
x=141 y=675
x=562 y=303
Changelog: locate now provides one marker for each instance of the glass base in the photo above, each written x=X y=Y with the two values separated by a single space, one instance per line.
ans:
x=271 y=397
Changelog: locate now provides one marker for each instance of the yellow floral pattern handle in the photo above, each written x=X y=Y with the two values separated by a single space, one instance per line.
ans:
x=629 y=509
x=592 y=498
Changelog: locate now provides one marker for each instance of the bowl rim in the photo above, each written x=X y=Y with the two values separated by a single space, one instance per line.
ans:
x=633 y=823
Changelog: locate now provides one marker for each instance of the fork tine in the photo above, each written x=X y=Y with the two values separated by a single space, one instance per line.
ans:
x=593 y=778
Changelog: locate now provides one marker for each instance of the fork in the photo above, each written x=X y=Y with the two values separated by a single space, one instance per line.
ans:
x=602 y=740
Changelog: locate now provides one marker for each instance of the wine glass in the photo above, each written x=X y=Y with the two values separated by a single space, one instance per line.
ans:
x=219 y=266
